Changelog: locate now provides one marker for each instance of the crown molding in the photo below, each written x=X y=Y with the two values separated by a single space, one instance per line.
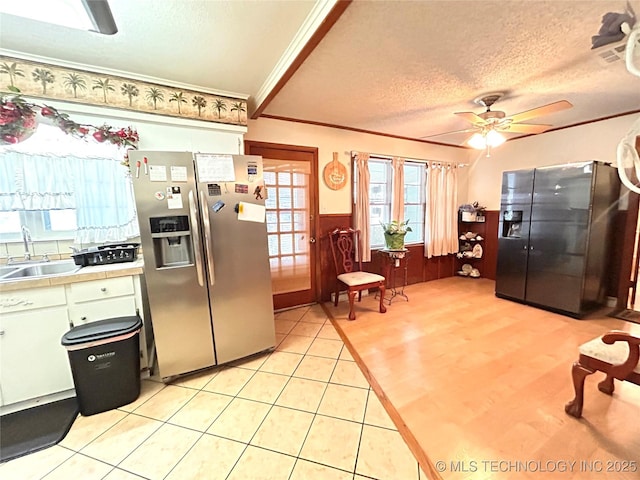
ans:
x=319 y=21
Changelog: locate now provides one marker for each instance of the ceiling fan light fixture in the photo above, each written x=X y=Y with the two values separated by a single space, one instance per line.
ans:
x=494 y=139
x=477 y=141
x=488 y=125
x=489 y=139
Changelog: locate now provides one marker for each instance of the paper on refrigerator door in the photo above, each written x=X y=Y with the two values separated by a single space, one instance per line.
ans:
x=157 y=173
x=178 y=174
x=215 y=168
x=251 y=212
x=175 y=202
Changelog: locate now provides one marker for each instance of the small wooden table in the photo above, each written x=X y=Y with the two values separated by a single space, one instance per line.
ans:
x=395 y=260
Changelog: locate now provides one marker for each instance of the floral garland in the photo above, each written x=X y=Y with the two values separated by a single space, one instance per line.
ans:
x=19 y=120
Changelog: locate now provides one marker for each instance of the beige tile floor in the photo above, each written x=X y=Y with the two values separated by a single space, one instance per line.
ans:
x=302 y=412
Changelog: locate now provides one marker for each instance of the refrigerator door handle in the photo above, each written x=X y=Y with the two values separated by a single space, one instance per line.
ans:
x=207 y=237
x=193 y=212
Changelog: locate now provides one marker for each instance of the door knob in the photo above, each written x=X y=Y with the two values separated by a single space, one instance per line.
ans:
x=312 y=240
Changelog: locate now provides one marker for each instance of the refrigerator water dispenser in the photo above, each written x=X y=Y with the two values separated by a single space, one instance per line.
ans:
x=171 y=241
x=511 y=223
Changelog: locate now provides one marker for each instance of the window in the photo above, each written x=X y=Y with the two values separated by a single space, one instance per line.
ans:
x=414 y=200
x=380 y=174
x=60 y=187
x=381 y=194
x=42 y=224
x=9 y=223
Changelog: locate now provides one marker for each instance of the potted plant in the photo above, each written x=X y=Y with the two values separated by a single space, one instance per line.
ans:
x=394 y=233
x=479 y=212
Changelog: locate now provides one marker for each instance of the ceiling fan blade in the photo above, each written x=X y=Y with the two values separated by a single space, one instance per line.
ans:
x=466 y=130
x=472 y=118
x=524 y=128
x=539 y=111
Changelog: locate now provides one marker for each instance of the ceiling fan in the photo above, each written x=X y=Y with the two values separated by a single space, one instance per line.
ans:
x=488 y=125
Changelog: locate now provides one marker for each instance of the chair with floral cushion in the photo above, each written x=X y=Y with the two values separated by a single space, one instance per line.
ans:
x=616 y=353
x=344 y=242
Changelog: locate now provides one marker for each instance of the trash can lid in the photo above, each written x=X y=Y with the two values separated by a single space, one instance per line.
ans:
x=101 y=330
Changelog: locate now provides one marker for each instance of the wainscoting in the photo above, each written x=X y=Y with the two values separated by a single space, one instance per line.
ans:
x=420 y=269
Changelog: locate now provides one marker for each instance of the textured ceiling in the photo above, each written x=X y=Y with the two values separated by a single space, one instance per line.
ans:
x=221 y=45
x=403 y=68
x=393 y=67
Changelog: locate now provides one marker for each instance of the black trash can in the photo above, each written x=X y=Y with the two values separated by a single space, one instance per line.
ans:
x=105 y=363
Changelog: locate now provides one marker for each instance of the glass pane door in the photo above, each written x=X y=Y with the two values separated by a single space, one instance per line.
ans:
x=288 y=228
x=291 y=181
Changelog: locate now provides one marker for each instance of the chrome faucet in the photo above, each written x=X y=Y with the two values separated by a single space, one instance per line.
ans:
x=26 y=238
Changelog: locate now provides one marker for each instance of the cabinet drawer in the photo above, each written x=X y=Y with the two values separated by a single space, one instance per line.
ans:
x=21 y=300
x=99 y=289
x=100 y=309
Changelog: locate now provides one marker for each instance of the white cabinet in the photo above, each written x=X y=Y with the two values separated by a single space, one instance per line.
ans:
x=100 y=299
x=107 y=298
x=33 y=362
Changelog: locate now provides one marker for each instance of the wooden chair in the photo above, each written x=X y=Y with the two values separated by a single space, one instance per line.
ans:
x=344 y=242
x=616 y=354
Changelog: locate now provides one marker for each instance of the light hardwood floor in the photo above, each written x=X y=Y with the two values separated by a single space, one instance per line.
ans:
x=480 y=384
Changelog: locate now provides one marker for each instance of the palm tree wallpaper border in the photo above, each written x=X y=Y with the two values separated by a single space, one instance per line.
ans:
x=42 y=80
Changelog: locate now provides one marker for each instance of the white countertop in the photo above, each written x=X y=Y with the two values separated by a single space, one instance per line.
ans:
x=96 y=272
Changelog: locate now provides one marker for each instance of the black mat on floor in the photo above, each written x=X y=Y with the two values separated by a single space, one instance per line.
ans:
x=628 y=315
x=36 y=428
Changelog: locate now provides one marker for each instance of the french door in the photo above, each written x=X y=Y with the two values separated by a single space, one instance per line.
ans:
x=290 y=176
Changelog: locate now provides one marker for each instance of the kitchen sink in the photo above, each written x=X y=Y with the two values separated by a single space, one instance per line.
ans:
x=39 y=270
x=6 y=270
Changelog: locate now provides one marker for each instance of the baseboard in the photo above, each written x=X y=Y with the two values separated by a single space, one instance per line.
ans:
x=34 y=402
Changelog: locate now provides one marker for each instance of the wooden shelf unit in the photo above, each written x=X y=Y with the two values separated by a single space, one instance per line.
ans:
x=467 y=244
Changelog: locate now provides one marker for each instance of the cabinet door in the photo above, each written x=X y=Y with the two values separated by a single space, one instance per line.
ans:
x=23 y=300
x=34 y=363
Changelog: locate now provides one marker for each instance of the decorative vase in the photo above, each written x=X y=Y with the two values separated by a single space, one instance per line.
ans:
x=394 y=241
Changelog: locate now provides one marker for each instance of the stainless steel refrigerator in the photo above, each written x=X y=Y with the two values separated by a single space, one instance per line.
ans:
x=554 y=236
x=205 y=252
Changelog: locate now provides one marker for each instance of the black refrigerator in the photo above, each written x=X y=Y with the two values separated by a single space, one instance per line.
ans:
x=554 y=235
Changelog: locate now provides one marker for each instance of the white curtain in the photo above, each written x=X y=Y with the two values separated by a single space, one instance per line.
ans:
x=441 y=215
x=105 y=204
x=397 y=201
x=70 y=174
x=361 y=219
x=35 y=182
